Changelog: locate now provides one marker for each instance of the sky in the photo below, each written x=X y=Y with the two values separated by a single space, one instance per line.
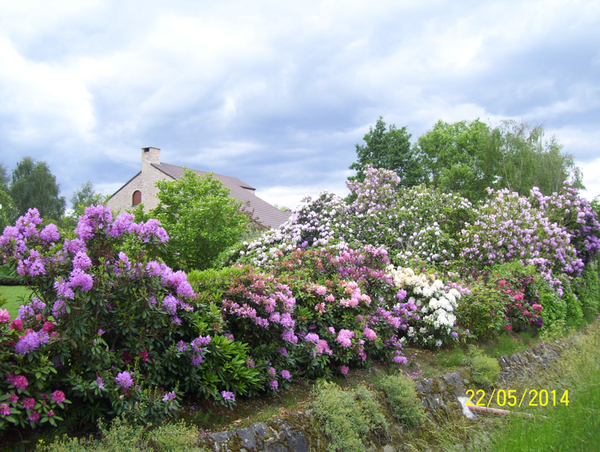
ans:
x=279 y=93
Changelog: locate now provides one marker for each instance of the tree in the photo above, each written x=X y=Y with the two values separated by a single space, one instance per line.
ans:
x=527 y=160
x=4 y=179
x=460 y=158
x=33 y=185
x=6 y=203
x=466 y=157
x=389 y=149
x=200 y=218
x=82 y=197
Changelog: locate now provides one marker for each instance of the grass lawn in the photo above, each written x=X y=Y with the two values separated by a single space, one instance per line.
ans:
x=14 y=296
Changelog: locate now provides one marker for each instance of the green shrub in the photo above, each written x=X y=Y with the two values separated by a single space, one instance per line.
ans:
x=484 y=370
x=123 y=437
x=347 y=416
x=555 y=306
x=482 y=312
x=402 y=398
x=587 y=288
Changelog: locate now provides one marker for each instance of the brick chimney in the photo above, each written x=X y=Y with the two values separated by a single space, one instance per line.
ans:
x=149 y=156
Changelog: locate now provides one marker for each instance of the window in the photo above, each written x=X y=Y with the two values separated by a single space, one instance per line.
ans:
x=137 y=198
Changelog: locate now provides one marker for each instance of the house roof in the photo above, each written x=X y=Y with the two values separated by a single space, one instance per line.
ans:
x=263 y=212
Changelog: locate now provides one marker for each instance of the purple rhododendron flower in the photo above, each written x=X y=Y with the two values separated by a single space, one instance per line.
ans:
x=228 y=396
x=170 y=304
x=100 y=382
x=285 y=374
x=30 y=342
x=28 y=403
x=274 y=385
x=169 y=396
x=50 y=233
x=124 y=379
x=81 y=261
x=121 y=225
x=4 y=409
x=289 y=336
x=370 y=334
x=80 y=279
x=199 y=342
x=196 y=360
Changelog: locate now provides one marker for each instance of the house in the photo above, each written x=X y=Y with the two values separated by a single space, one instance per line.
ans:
x=141 y=188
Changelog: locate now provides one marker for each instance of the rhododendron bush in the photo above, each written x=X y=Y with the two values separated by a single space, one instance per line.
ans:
x=422 y=228
x=317 y=312
x=115 y=330
x=417 y=226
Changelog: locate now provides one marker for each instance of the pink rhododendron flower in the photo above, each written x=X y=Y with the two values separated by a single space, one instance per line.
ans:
x=344 y=370
x=370 y=334
x=344 y=337
x=35 y=416
x=4 y=316
x=58 y=396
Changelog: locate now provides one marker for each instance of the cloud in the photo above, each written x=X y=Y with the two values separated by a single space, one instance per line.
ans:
x=278 y=94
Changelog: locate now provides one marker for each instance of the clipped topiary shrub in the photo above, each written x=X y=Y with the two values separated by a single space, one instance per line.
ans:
x=402 y=398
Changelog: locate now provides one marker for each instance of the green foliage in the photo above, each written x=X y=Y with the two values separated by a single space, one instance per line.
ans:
x=555 y=306
x=527 y=160
x=587 y=289
x=484 y=370
x=347 y=416
x=466 y=157
x=200 y=218
x=389 y=149
x=482 y=311
x=402 y=398
x=6 y=202
x=33 y=185
x=460 y=158
x=124 y=437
